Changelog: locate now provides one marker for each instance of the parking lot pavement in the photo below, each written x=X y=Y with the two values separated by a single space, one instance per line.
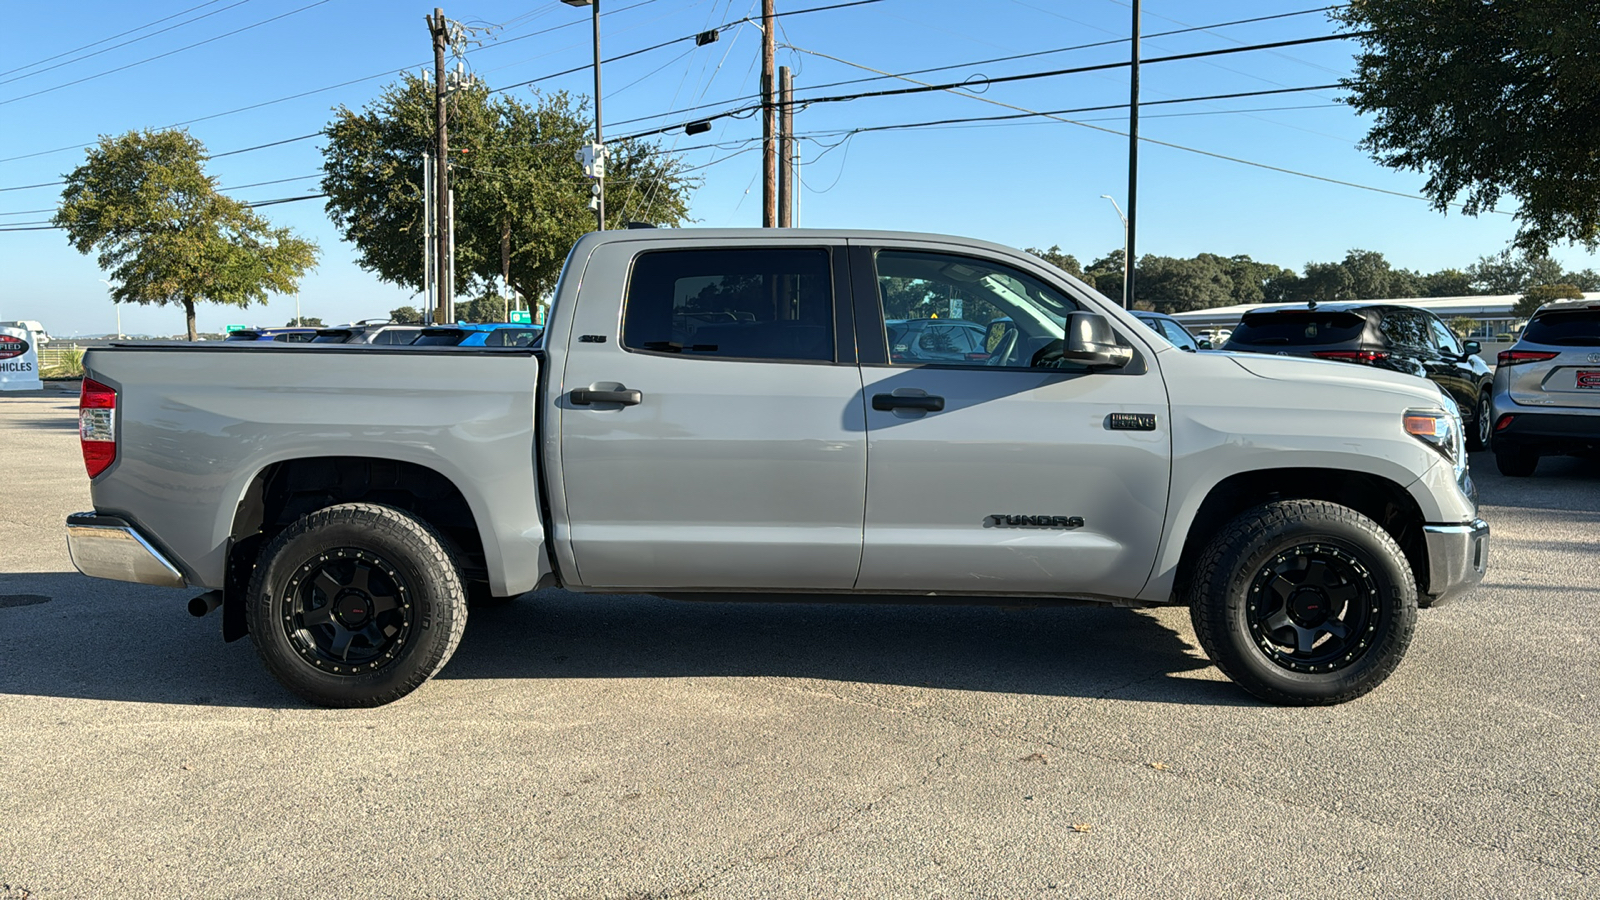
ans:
x=631 y=747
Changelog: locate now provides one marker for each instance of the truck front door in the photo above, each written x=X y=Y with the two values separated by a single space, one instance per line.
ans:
x=714 y=437
x=1009 y=470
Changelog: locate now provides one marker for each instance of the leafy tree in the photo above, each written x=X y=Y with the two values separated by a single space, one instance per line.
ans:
x=144 y=203
x=1445 y=283
x=1487 y=99
x=1066 y=262
x=520 y=195
x=1326 y=283
x=1106 y=274
x=405 y=315
x=1586 y=280
x=306 y=321
x=1510 y=273
x=1177 y=285
x=1539 y=295
x=488 y=308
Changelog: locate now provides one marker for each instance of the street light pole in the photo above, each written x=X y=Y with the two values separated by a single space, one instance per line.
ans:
x=1127 y=264
x=599 y=138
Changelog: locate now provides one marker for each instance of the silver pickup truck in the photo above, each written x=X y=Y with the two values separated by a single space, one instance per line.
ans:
x=721 y=413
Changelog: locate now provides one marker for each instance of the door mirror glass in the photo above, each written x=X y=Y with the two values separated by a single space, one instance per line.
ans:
x=1204 y=343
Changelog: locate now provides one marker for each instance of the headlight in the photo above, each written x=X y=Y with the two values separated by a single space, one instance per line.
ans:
x=1441 y=430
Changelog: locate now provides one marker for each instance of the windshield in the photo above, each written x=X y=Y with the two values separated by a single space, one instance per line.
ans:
x=1575 y=328
x=1297 y=329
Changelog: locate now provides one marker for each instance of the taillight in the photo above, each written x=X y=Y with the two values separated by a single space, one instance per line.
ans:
x=1517 y=357
x=1366 y=356
x=97 y=426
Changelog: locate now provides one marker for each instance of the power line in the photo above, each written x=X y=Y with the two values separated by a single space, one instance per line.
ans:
x=113 y=37
x=164 y=55
x=24 y=187
x=688 y=37
x=117 y=46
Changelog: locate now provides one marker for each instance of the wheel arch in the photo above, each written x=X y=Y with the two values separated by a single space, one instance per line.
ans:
x=283 y=491
x=1383 y=501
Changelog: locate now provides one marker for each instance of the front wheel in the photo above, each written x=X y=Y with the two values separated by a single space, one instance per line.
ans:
x=355 y=605
x=1304 y=603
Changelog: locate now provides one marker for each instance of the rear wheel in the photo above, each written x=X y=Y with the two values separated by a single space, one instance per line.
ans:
x=1304 y=603
x=1482 y=428
x=1515 y=462
x=355 y=605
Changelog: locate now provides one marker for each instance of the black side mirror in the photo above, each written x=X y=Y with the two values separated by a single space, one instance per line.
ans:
x=1204 y=344
x=1473 y=348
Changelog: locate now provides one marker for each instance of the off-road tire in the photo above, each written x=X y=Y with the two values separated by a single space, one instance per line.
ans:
x=397 y=605
x=1515 y=463
x=1245 y=618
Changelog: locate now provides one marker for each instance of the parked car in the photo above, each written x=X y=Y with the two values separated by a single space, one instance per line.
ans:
x=1171 y=329
x=477 y=334
x=340 y=507
x=1547 y=388
x=1397 y=338
x=390 y=334
x=936 y=340
x=289 y=335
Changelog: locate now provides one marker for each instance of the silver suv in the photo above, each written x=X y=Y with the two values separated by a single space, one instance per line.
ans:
x=1547 y=388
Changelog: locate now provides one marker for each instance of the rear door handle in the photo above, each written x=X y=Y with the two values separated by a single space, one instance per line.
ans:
x=887 y=402
x=588 y=396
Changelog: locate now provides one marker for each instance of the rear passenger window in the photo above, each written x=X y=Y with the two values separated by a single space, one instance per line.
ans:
x=731 y=304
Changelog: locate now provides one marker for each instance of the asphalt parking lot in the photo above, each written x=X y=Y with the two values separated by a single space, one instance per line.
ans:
x=641 y=748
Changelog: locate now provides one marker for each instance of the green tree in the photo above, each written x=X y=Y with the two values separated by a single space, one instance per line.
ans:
x=1487 y=99
x=1176 y=285
x=144 y=204
x=1066 y=262
x=305 y=321
x=1106 y=274
x=488 y=308
x=1540 y=294
x=1446 y=283
x=405 y=315
x=1326 y=283
x=1586 y=280
x=1510 y=273
x=521 y=197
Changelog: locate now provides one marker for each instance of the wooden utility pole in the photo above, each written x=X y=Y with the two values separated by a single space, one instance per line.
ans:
x=444 y=312
x=769 y=116
x=785 y=147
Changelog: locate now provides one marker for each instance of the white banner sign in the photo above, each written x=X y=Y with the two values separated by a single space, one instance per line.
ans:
x=19 y=362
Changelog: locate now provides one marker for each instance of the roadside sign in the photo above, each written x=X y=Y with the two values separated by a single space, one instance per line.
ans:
x=519 y=317
x=232 y=328
x=19 y=361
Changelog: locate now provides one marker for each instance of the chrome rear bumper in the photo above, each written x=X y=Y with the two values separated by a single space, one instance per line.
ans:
x=108 y=547
x=1458 y=556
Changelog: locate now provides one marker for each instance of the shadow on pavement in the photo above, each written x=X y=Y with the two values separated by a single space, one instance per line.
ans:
x=110 y=641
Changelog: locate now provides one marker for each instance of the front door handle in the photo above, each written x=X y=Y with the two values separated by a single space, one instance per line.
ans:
x=588 y=396
x=887 y=402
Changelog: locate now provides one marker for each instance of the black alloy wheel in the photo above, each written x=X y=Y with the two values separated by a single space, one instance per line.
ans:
x=356 y=605
x=1314 y=608
x=1304 y=602
x=347 y=611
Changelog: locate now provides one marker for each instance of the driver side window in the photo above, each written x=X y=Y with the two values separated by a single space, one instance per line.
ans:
x=947 y=310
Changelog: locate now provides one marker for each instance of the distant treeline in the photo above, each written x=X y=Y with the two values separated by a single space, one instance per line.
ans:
x=1170 y=284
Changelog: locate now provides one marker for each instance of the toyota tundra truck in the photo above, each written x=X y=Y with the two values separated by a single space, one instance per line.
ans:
x=719 y=414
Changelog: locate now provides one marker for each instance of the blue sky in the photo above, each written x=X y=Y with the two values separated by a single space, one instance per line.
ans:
x=1036 y=183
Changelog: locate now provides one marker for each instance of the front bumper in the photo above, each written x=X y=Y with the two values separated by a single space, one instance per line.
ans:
x=109 y=547
x=1458 y=556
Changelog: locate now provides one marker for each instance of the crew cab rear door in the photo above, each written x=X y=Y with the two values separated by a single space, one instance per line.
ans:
x=1006 y=472
x=713 y=435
